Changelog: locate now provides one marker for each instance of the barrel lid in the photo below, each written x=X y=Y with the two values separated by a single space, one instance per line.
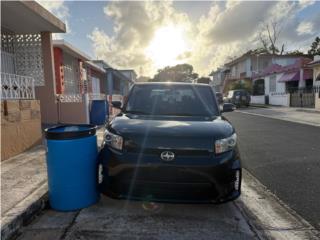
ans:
x=64 y=132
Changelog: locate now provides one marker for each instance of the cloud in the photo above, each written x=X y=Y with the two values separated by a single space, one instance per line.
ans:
x=238 y=20
x=233 y=28
x=135 y=24
x=305 y=28
x=60 y=10
x=226 y=30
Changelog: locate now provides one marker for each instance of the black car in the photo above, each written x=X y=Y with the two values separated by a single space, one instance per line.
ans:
x=239 y=97
x=170 y=143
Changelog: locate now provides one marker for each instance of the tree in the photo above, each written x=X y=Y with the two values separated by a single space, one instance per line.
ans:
x=315 y=47
x=295 y=52
x=269 y=36
x=178 y=73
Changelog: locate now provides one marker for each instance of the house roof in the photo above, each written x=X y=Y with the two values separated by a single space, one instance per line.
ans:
x=276 y=68
x=252 y=54
x=314 y=63
x=67 y=47
x=101 y=63
x=24 y=17
x=116 y=72
x=128 y=70
x=119 y=74
x=220 y=69
x=95 y=67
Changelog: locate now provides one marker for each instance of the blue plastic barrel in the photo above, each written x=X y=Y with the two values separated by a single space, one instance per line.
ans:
x=72 y=165
x=99 y=112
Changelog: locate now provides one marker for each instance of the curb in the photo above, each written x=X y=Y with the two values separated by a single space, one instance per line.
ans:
x=308 y=111
x=268 y=216
x=259 y=105
x=22 y=213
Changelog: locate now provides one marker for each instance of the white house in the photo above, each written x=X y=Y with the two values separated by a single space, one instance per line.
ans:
x=277 y=83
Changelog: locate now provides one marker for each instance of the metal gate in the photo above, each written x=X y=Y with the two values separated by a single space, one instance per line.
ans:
x=302 y=99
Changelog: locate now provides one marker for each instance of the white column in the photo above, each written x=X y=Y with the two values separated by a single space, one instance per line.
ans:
x=302 y=83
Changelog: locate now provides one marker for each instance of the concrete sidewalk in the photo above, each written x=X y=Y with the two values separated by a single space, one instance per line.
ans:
x=257 y=214
x=24 y=188
x=298 y=115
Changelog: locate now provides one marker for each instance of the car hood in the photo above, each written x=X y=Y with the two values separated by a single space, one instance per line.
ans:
x=175 y=132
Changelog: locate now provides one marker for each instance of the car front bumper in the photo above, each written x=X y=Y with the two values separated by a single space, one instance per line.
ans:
x=187 y=179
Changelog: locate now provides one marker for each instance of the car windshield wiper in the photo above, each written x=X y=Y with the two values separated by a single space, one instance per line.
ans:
x=137 y=112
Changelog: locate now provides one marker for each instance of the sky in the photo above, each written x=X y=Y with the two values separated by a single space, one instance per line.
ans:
x=149 y=35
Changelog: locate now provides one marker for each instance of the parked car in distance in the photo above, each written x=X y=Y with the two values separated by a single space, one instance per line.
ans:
x=219 y=97
x=171 y=144
x=238 y=97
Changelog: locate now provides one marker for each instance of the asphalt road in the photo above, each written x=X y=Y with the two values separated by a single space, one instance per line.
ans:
x=285 y=157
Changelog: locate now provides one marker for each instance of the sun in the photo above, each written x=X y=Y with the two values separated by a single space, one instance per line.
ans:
x=167 y=45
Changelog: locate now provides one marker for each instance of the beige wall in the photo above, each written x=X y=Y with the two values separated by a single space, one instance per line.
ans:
x=20 y=126
x=73 y=112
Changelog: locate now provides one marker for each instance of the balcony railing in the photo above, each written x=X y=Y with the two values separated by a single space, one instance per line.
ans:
x=70 y=98
x=16 y=86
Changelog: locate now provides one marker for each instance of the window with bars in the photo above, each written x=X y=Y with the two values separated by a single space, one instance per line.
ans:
x=273 y=83
x=71 y=74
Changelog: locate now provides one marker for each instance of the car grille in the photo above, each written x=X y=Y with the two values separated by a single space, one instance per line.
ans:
x=177 y=152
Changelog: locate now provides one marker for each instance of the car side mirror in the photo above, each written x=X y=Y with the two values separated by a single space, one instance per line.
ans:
x=228 y=107
x=116 y=104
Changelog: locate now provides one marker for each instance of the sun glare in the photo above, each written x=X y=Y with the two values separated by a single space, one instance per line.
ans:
x=167 y=45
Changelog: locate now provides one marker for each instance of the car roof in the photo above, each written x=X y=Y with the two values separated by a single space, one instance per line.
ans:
x=171 y=83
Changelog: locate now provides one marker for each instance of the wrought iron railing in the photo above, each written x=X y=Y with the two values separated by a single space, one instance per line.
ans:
x=307 y=89
x=16 y=86
x=70 y=98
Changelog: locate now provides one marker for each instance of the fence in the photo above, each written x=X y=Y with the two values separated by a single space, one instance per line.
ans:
x=257 y=99
x=279 y=99
x=71 y=98
x=16 y=86
x=303 y=97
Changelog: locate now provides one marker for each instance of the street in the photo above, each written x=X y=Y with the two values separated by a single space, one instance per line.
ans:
x=284 y=156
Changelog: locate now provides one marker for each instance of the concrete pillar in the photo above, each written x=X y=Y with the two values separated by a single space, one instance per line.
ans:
x=302 y=82
x=47 y=93
x=109 y=82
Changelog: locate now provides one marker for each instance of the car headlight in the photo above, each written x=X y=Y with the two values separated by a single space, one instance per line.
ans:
x=113 y=140
x=226 y=144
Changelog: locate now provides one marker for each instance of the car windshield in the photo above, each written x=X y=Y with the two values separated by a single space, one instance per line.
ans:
x=175 y=100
